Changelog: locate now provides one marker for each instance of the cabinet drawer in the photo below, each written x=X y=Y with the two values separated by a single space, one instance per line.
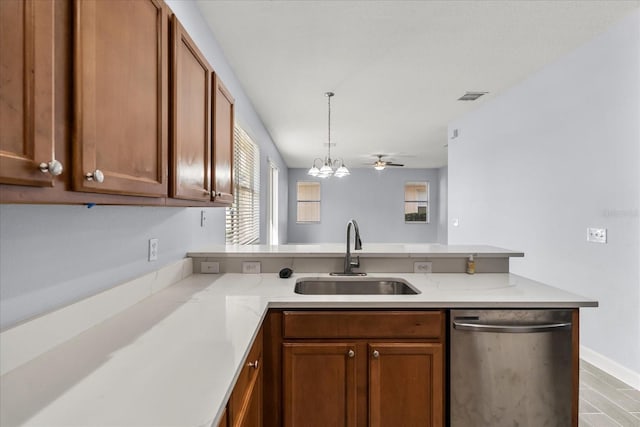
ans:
x=241 y=394
x=363 y=324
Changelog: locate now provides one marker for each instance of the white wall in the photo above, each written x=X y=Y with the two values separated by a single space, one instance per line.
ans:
x=374 y=199
x=51 y=256
x=556 y=154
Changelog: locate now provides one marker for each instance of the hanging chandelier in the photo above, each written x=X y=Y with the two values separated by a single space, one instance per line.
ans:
x=328 y=167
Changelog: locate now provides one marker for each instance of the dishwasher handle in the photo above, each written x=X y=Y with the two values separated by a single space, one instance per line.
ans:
x=510 y=329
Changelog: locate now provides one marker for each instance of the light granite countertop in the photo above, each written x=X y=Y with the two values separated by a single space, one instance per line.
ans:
x=386 y=250
x=173 y=358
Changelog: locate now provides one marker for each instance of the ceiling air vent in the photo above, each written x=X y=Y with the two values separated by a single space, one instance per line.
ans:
x=471 y=96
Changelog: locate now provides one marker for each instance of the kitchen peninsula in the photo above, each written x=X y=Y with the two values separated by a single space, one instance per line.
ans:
x=173 y=358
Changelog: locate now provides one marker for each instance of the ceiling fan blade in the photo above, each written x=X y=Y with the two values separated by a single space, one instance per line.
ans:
x=394 y=164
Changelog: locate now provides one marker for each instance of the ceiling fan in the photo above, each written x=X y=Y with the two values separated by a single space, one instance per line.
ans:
x=381 y=164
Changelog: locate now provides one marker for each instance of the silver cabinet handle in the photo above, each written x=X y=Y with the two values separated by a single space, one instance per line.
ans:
x=376 y=354
x=96 y=176
x=351 y=354
x=253 y=365
x=511 y=329
x=53 y=167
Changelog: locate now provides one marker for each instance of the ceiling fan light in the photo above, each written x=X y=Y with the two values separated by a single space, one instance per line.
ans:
x=379 y=167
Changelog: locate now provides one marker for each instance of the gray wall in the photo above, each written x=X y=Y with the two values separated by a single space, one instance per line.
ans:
x=51 y=256
x=374 y=199
x=556 y=154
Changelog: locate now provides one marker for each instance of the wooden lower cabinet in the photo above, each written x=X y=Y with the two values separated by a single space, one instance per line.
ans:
x=224 y=420
x=320 y=386
x=406 y=384
x=245 y=403
x=357 y=372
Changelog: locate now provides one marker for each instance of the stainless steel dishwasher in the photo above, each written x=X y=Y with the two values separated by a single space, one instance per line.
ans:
x=510 y=368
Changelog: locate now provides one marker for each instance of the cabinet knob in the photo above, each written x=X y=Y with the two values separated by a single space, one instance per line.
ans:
x=205 y=191
x=253 y=365
x=96 y=176
x=376 y=354
x=54 y=167
x=351 y=354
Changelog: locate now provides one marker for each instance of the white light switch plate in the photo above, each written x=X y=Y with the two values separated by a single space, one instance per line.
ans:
x=251 y=267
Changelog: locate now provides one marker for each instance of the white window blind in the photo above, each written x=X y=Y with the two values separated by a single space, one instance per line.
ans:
x=243 y=217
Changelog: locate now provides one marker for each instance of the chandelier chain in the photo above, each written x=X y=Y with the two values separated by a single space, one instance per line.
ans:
x=329 y=95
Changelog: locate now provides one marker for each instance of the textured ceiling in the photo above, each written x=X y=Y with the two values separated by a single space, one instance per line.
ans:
x=396 y=67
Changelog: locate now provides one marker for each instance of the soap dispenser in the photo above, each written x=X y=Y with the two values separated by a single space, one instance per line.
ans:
x=471 y=265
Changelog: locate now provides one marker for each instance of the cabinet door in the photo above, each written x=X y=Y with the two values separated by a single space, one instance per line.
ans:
x=245 y=404
x=319 y=384
x=224 y=420
x=406 y=384
x=223 y=110
x=191 y=119
x=251 y=416
x=26 y=91
x=120 y=97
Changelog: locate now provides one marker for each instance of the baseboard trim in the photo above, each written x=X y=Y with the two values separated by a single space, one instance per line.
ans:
x=611 y=367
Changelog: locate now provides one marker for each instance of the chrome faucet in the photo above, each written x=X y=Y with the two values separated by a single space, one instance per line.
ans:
x=349 y=262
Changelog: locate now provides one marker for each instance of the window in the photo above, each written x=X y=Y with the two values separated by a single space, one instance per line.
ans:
x=416 y=202
x=243 y=217
x=308 y=202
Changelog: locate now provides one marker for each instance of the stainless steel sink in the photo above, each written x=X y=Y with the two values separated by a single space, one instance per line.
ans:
x=353 y=286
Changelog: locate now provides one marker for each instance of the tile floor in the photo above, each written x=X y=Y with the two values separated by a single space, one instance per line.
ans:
x=606 y=401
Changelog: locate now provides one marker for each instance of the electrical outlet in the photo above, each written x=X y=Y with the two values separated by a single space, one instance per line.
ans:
x=209 y=267
x=422 y=267
x=153 y=249
x=597 y=235
x=251 y=267
x=203 y=218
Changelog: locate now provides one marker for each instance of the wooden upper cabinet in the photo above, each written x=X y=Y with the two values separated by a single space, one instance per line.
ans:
x=191 y=118
x=120 y=108
x=223 y=123
x=406 y=381
x=27 y=92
